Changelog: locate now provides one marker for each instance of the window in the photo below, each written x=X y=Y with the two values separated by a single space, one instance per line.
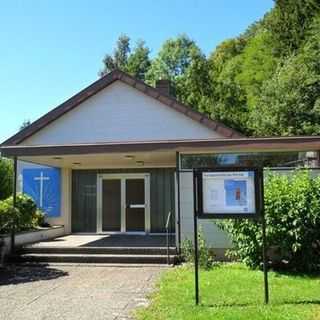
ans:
x=265 y=159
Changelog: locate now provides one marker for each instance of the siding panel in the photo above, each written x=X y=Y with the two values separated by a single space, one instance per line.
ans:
x=84 y=202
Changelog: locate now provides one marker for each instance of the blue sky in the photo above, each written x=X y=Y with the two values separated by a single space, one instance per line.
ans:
x=50 y=50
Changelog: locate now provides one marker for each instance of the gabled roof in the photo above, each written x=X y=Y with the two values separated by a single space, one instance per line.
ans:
x=104 y=82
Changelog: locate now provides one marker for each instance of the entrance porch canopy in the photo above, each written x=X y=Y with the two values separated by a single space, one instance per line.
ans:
x=150 y=153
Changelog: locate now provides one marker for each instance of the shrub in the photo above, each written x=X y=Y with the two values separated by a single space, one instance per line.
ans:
x=8 y=214
x=38 y=218
x=26 y=215
x=205 y=254
x=292 y=212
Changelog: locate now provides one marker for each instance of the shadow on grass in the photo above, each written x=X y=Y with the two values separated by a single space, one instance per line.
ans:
x=295 y=274
x=299 y=302
x=227 y=305
x=248 y=304
x=15 y=274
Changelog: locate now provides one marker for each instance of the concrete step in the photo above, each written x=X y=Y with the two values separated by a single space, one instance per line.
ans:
x=98 y=250
x=93 y=258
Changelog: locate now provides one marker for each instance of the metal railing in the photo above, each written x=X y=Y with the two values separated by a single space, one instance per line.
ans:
x=167 y=233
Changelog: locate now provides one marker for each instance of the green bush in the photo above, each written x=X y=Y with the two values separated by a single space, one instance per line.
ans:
x=8 y=215
x=206 y=256
x=292 y=211
x=26 y=215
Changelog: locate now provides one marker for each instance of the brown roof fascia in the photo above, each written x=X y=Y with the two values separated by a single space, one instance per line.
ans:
x=303 y=143
x=103 y=83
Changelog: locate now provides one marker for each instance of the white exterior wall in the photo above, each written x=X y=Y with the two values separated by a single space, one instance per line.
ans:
x=120 y=113
x=213 y=235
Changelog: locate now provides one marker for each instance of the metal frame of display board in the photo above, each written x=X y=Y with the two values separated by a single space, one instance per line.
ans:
x=258 y=215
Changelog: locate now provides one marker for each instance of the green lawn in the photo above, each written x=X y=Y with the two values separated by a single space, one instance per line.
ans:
x=231 y=291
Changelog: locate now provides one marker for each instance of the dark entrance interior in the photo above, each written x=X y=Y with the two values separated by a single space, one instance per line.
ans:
x=111 y=205
x=135 y=208
x=132 y=199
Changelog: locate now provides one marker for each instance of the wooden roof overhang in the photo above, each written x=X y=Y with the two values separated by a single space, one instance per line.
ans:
x=298 y=143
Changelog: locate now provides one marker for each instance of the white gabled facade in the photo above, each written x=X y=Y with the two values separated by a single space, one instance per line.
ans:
x=120 y=113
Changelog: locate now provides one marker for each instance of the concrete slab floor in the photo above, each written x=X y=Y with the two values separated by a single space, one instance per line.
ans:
x=74 y=292
x=111 y=240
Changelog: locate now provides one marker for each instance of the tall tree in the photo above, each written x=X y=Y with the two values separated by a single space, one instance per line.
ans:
x=289 y=21
x=290 y=100
x=181 y=61
x=6 y=178
x=227 y=98
x=136 y=62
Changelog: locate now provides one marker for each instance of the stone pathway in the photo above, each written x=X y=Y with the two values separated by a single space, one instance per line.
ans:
x=74 y=291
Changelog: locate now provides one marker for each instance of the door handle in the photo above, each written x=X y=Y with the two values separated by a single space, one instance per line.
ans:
x=136 y=206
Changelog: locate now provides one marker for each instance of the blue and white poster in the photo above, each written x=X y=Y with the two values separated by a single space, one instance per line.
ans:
x=236 y=192
x=228 y=192
x=43 y=185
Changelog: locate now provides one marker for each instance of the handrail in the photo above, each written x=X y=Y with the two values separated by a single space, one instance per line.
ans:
x=167 y=231
x=168 y=220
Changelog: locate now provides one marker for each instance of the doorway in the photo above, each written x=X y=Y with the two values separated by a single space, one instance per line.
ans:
x=123 y=203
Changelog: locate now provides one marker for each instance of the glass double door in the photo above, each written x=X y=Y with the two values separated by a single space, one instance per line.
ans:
x=124 y=203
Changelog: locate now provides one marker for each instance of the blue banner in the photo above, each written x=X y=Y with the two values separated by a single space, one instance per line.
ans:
x=43 y=185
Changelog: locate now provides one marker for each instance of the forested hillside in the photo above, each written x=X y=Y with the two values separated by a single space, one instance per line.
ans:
x=264 y=82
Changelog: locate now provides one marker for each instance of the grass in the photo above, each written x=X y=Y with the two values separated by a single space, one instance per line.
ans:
x=232 y=291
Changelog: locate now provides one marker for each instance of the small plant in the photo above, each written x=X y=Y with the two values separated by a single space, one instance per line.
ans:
x=206 y=255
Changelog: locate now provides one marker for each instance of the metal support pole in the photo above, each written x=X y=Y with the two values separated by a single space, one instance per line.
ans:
x=195 y=232
x=178 y=195
x=196 y=262
x=265 y=263
x=14 y=197
x=264 y=244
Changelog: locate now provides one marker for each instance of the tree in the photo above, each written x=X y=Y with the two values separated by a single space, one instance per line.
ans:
x=289 y=21
x=120 y=56
x=258 y=65
x=181 y=61
x=138 y=62
x=134 y=62
x=229 y=103
x=25 y=124
x=290 y=100
x=6 y=178
x=228 y=98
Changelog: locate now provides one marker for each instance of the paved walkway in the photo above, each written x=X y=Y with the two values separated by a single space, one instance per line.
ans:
x=74 y=291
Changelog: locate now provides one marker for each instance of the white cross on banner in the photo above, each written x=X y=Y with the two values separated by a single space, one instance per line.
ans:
x=42 y=178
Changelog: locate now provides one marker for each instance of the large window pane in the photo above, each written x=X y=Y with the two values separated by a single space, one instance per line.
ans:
x=267 y=159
